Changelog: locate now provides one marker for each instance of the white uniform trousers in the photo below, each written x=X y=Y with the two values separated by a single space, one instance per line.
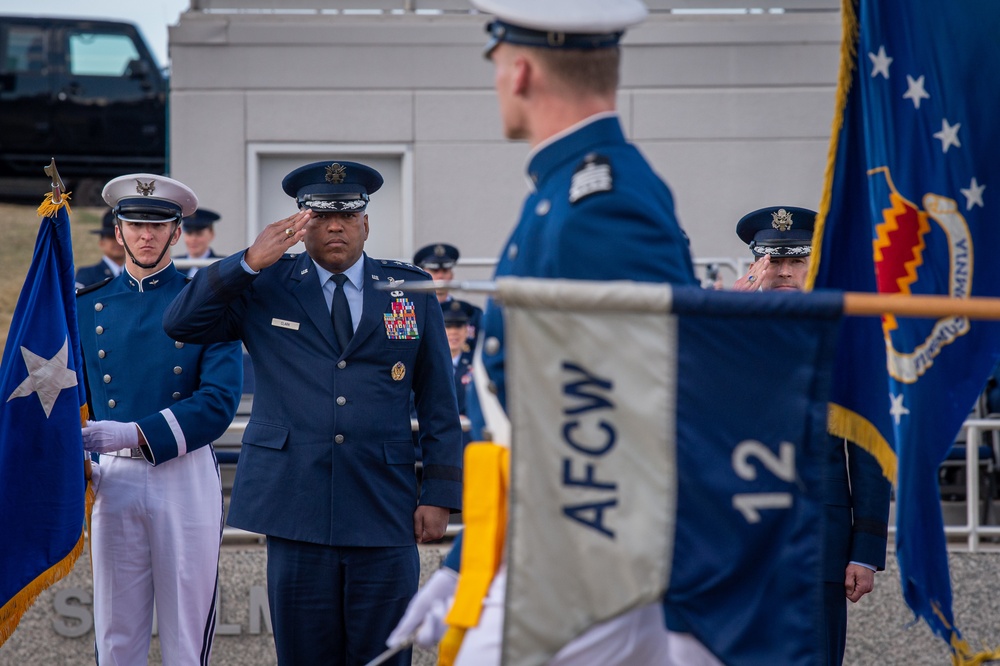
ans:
x=156 y=533
x=636 y=638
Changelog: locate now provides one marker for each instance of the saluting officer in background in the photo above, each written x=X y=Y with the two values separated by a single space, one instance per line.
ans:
x=439 y=260
x=327 y=466
x=157 y=404
x=111 y=263
x=199 y=232
x=856 y=494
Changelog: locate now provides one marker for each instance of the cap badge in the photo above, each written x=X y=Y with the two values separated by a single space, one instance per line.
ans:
x=335 y=173
x=782 y=220
x=398 y=371
x=145 y=189
x=439 y=250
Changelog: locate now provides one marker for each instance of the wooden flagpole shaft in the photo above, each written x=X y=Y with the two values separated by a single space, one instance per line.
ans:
x=936 y=307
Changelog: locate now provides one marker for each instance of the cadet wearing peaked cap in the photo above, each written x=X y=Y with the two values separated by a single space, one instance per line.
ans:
x=110 y=264
x=157 y=406
x=436 y=256
x=780 y=238
x=336 y=360
x=199 y=232
x=202 y=218
x=439 y=259
x=583 y=173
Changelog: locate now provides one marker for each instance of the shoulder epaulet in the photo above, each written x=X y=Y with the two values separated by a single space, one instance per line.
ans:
x=591 y=176
x=395 y=263
x=93 y=287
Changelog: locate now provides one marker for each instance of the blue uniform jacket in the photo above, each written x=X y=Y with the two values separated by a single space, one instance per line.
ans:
x=93 y=274
x=328 y=454
x=856 y=496
x=598 y=212
x=586 y=223
x=182 y=396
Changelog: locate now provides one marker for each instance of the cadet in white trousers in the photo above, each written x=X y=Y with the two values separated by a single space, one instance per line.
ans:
x=157 y=405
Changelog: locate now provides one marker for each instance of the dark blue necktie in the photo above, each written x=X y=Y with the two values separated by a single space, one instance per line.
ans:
x=340 y=313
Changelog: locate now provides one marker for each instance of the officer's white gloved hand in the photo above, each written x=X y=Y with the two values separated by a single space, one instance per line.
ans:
x=109 y=436
x=424 y=616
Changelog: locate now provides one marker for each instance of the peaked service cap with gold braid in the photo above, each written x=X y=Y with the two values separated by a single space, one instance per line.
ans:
x=332 y=186
x=778 y=231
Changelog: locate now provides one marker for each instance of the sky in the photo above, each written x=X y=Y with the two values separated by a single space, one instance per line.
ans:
x=152 y=16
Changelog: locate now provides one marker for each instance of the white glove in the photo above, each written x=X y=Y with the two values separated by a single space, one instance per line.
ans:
x=95 y=477
x=423 y=621
x=109 y=436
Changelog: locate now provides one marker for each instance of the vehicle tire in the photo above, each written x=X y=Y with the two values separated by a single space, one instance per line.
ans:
x=87 y=192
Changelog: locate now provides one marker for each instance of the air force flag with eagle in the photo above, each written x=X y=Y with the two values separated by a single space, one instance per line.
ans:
x=41 y=446
x=667 y=443
x=908 y=210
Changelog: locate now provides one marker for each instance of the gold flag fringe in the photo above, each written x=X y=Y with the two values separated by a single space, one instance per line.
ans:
x=842 y=422
x=10 y=614
x=49 y=209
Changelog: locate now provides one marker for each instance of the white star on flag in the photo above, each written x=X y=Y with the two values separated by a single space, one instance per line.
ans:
x=880 y=62
x=973 y=195
x=948 y=135
x=897 y=409
x=915 y=90
x=46 y=377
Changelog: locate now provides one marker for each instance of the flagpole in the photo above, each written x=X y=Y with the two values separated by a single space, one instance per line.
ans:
x=856 y=304
x=58 y=188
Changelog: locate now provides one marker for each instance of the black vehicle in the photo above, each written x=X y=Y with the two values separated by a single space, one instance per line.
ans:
x=86 y=92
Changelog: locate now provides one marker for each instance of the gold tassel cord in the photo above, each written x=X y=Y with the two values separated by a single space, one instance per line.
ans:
x=49 y=209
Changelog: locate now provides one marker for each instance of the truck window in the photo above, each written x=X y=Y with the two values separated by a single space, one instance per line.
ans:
x=96 y=54
x=25 y=51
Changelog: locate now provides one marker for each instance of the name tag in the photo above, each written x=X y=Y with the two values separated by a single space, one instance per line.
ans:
x=282 y=323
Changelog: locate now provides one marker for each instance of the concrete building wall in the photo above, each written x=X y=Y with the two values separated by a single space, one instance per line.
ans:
x=733 y=110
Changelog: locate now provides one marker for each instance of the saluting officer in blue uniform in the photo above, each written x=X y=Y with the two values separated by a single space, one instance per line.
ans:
x=158 y=404
x=327 y=465
x=110 y=264
x=199 y=232
x=439 y=260
x=596 y=211
x=856 y=494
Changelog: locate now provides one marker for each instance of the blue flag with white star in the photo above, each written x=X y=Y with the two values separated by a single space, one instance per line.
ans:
x=41 y=448
x=908 y=210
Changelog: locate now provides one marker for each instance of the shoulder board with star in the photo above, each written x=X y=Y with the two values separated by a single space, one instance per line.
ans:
x=394 y=263
x=591 y=176
x=93 y=287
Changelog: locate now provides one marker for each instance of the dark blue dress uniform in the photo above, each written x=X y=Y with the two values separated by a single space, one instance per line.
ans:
x=437 y=256
x=135 y=372
x=102 y=270
x=856 y=494
x=598 y=212
x=327 y=468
